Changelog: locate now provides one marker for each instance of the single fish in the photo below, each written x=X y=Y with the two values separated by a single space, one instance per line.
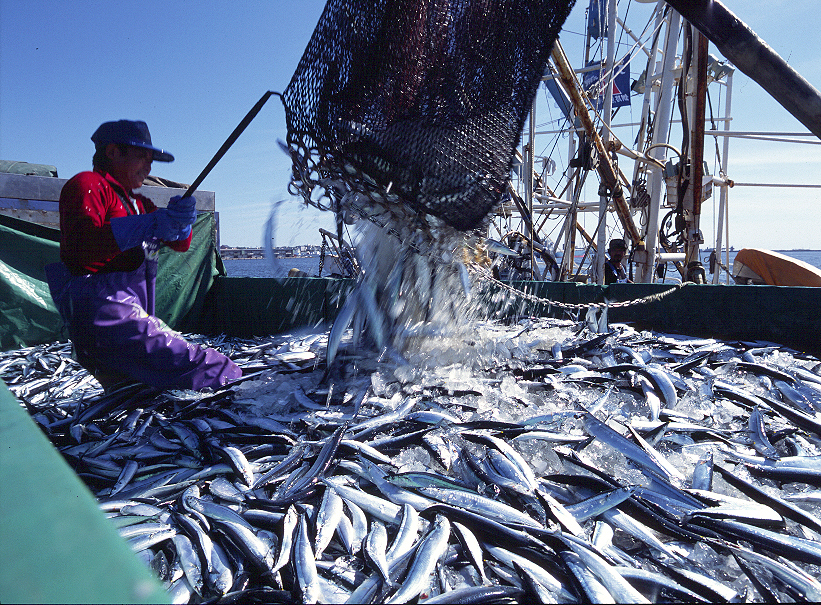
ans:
x=376 y=545
x=289 y=523
x=431 y=548
x=471 y=548
x=703 y=472
x=544 y=577
x=127 y=474
x=592 y=587
x=596 y=505
x=305 y=565
x=359 y=526
x=621 y=590
x=189 y=560
x=480 y=504
x=380 y=508
x=327 y=520
x=758 y=435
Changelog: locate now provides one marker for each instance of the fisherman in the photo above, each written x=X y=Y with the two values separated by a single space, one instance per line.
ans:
x=613 y=268
x=104 y=286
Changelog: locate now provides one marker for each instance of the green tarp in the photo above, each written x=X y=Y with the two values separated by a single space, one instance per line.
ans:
x=784 y=315
x=255 y=306
x=27 y=313
x=244 y=306
x=55 y=544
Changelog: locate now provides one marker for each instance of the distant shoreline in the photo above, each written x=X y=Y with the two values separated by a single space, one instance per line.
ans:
x=276 y=257
x=280 y=266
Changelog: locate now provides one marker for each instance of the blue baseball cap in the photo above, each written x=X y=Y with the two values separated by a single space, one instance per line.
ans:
x=129 y=132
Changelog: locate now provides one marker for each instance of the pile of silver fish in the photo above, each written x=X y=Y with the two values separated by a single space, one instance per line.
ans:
x=527 y=461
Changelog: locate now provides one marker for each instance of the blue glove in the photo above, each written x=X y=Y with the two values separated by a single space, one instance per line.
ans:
x=183 y=212
x=131 y=231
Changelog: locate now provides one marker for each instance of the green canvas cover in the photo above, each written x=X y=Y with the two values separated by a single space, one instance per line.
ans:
x=256 y=306
x=55 y=544
x=246 y=306
x=27 y=313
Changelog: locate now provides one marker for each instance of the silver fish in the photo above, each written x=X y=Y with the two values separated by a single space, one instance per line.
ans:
x=328 y=517
x=595 y=591
x=382 y=509
x=428 y=553
x=289 y=524
x=375 y=550
x=190 y=561
x=305 y=564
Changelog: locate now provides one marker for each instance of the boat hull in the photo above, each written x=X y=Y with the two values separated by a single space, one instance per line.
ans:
x=757 y=266
x=245 y=306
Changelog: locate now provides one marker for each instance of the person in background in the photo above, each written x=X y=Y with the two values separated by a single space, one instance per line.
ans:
x=104 y=285
x=613 y=269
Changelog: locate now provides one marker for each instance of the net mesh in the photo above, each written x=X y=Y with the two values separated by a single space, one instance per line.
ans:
x=417 y=102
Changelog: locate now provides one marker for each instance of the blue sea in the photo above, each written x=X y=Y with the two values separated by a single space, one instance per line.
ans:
x=279 y=267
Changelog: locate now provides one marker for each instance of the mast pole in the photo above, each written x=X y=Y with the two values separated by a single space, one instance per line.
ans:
x=607 y=112
x=653 y=64
x=569 y=253
x=661 y=128
x=695 y=272
x=722 y=205
x=531 y=182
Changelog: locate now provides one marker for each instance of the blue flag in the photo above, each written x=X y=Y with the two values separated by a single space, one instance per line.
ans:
x=596 y=19
x=621 y=84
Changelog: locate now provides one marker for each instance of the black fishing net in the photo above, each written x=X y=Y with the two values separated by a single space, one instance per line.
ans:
x=419 y=102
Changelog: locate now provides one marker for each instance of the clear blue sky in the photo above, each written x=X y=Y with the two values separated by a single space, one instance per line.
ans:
x=192 y=70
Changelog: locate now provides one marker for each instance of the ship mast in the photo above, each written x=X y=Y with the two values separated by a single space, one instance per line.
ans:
x=663 y=177
x=647 y=259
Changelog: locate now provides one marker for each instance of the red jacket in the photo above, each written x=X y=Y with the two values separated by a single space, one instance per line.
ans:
x=88 y=202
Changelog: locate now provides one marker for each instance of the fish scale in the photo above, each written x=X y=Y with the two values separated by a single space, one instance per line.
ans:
x=386 y=444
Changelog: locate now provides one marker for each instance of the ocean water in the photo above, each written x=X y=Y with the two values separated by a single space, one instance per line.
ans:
x=279 y=267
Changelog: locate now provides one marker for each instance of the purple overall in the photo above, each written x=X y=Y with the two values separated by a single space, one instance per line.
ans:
x=116 y=336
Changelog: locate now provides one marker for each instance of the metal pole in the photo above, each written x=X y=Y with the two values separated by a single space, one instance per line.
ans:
x=694 y=237
x=607 y=112
x=661 y=127
x=531 y=182
x=652 y=66
x=722 y=205
x=569 y=254
x=727 y=245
